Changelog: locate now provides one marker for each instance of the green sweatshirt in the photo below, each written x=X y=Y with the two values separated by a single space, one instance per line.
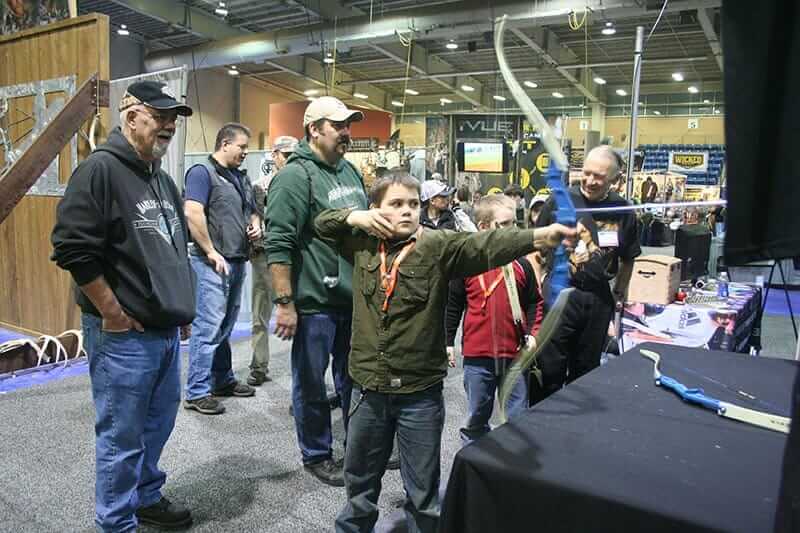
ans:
x=321 y=280
x=402 y=350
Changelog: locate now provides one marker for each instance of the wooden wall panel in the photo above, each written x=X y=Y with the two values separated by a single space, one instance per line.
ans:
x=35 y=295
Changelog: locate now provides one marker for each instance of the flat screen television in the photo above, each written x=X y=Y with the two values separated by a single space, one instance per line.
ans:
x=482 y=157
x=692 y=247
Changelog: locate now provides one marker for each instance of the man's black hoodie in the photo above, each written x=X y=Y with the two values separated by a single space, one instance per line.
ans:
x=124 y=221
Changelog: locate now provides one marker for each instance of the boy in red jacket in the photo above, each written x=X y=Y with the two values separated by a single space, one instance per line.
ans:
x=491 y=336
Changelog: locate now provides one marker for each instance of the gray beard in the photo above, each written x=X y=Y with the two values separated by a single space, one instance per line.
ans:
x=160 y=150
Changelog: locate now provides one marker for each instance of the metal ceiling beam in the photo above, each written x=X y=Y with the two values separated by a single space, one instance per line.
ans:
x=327 y=9
x=316 y=73
x=424 y=64
x=631 y=37
x=420 y=77
x=550 y=41
x=713 y=41
x=429 y=22
x=202 y=24
x=692 y=59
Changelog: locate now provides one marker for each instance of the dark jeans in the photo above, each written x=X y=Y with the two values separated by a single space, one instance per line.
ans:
x=136 y=391
x=482 y=377
x=417 y=418
x=318 y=338
x=575 y=347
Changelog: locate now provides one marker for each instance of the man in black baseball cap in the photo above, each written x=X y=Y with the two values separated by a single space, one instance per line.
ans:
x=121 y=233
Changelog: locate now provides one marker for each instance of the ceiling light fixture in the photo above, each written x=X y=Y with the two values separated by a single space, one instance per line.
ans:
x=692 y=89
x=706 y=101
x=361 y=95
x=717 y=111
x=452 y=45
x=677 y=76
x=311 y=98
x=221 y=11
x=499 y=98
x=531 y=84
x=233 y=71
x=609 y=29
x=397 y=104
x=412 y=92
x=467 y=88
x=328 y=58
x=621 y=92
x=599 y=81
x=656 y=112
x=557 y=94
x=444 y=101
x=123 y=30
x=311 y=92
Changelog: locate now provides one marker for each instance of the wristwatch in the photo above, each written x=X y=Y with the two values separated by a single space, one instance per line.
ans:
x=282 y=300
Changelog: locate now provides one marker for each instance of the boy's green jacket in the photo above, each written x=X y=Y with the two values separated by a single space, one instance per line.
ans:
x=403 y=350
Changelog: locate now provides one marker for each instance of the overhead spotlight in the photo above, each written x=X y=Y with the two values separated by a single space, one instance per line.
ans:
x=609 y=29
x=221 y=11
x=706 y=101
x=311 y=98
x=599 y=81
x=444 y=101
x=361 y=95
x=452 y=45
x=412 y=92
x=531 y=84
x=557 y=94
x=311 y=92
x=717 y=111
x=328 y=58
x=499 y=98
x=692 y=89
x=656 y=112
x=621 y=92
x=123 y=30
x=397 y=103
x=233 y=71
x=677 y=76
x=467 y=88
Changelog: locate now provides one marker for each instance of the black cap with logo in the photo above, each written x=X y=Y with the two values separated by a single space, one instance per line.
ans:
x=153 y=94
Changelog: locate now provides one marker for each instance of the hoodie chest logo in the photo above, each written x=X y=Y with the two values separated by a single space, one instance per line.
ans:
x=152 y=219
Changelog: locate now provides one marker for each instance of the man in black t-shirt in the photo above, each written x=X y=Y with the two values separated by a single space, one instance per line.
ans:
x=608 y=242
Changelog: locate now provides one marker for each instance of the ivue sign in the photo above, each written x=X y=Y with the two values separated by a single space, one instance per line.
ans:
x=485 y=127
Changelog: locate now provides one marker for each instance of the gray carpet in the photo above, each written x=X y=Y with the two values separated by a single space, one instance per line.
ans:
x=237 y=472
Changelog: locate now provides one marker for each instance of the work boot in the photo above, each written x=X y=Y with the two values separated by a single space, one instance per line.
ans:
x=235 y=389
x=205 y=405
x=164 y=514
x=327 y=471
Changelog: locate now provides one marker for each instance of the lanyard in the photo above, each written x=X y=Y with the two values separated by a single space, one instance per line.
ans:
x=488 y=292
x=389 y=279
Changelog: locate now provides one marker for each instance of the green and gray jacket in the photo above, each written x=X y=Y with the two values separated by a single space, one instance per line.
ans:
x=402 y=350
x=321 y=280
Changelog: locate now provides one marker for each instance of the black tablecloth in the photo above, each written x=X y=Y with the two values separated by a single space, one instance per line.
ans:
x=613 y=452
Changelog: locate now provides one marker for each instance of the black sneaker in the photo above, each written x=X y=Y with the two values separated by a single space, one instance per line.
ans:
x=205 y=405
x=327 y=471
x=164 y=514
x=257 y=378
x=235 y=389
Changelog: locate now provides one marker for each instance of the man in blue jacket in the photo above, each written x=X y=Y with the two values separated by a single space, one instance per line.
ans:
x=121 y=233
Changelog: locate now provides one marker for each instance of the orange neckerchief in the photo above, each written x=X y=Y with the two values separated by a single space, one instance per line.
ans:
x=389 y=279
x=488 y=292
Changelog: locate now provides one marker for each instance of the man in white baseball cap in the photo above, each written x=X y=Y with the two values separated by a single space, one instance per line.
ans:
x=311 y=284
x=435 y=213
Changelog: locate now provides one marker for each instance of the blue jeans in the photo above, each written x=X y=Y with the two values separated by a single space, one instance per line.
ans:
x=136 y=391
x=481 y=379
x=418 y=419
x=318 y=337
x=218 y=302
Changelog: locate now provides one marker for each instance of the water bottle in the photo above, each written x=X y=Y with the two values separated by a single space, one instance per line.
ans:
x=722 y=285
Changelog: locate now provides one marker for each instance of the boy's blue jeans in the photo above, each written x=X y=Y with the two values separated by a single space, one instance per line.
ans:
x=417 y=419
x=482 y=378
x=136 y=391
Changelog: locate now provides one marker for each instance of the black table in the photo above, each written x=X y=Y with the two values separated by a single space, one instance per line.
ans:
x=613 y=452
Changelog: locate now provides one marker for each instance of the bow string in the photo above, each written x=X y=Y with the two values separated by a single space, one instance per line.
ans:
x=564 y=214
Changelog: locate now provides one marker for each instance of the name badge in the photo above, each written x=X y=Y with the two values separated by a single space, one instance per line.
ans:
x=608 y=239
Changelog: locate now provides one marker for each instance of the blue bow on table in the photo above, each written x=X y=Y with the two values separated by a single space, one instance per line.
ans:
x=564 y=214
